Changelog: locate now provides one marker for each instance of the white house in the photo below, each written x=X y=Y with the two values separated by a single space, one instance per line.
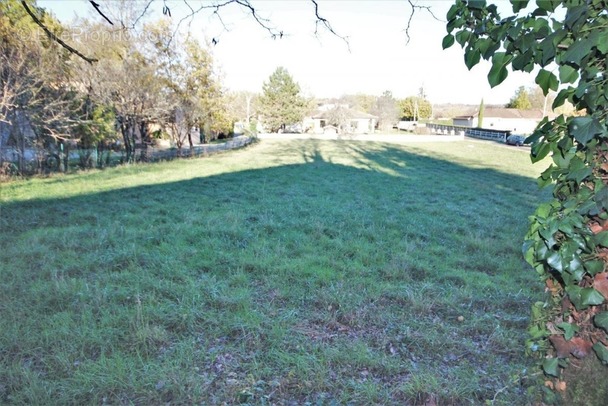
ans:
x=347 y=120
x=514 y=120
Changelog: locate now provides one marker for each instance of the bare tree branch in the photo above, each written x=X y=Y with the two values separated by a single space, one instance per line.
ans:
x=413 y=4
x=216 y=7
x=143 y=13
x=189 y=6
x=96 y=5
x=261 y=21
x=54 y=37
x=325 y=23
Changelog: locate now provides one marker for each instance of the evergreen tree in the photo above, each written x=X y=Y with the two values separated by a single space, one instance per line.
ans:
x=482 y=109
x=281 y=102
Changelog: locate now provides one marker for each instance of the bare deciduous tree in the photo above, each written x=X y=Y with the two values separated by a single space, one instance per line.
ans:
x=38 y=103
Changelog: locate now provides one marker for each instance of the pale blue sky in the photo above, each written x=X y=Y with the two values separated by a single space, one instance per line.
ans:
x=379 y=58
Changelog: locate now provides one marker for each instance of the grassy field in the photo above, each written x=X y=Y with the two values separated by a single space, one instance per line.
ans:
x=300 y=272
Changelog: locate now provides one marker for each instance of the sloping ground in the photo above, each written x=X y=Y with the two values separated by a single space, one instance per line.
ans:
x=299 y=272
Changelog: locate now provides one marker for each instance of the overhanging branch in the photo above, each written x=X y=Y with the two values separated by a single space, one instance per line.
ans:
x=54 y=37
x=325 y=23
x=413 y=4
x=96 y=5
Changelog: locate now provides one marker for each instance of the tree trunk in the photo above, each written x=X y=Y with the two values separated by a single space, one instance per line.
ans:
x=66 y=157
x=22 y=153
x=100 y=149
x=143 y=131
x=126 y=128
x=191 y=144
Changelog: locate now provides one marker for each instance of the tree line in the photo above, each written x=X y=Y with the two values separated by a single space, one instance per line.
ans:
x=144 y=84
x=138 y=84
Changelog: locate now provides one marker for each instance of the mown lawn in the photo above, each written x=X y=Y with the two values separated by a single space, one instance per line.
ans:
x=301 y=272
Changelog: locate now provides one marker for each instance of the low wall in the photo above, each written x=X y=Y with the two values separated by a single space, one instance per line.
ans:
x=198 y=150
x=11 y=154
x=483 y=133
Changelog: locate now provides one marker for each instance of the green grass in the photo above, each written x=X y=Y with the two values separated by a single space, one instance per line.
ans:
x=284 y=273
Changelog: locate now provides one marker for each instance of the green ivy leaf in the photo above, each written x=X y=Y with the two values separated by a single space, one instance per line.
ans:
x=546 y=80
x=579 y=174
x=562 y=96
x=472 y=57
x=498 y=72
x=602 y=42
x=547 y=53
x=544 y=210
x=574 y=294
x=453 y=12
x=575 y=267
x=487 y=47
x=519 y=5
x=528 y=251
x=541 y=28
x=462 y=37
x=569 y=330
x=567 y=74
x=601 y=194
x=601 y=352
x=583 y=129
x=591 y=297
x=551 y=366
x=555 y=261
x=577 y=52
x=523 y=61
x=601 y=320
x=575 y=16
x=563 y=160
x=448 y=41
x=540 y=151
x=548 y=5
x=594 y=267
x=536 y=332
x=601 y=239
x=453 y=24
x=478 y=4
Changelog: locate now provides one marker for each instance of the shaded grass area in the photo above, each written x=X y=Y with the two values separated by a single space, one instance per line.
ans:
x=286 y=273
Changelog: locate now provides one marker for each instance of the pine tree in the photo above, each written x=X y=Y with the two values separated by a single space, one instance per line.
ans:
x=281 y=102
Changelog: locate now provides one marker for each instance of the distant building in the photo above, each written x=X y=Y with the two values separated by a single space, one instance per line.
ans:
x=351 y=121
x=514 y=120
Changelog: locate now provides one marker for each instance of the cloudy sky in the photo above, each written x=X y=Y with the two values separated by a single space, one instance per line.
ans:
x=376 y=56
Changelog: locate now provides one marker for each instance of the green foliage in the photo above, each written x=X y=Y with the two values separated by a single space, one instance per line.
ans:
x=521 y=100
x=482 y=110
x=415 y=108
x=96 y=126
x=281 y=102
x=565 y=242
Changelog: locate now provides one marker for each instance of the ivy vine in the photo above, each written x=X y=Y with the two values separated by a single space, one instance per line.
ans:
x=565 y=44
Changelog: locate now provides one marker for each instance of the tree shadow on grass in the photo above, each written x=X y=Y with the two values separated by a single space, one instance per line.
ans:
x=340 y=277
